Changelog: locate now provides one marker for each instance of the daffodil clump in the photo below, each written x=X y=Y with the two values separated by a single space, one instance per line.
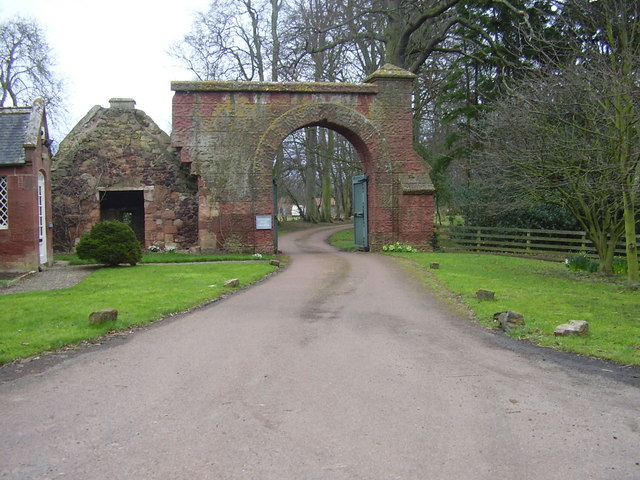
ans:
x=399 y=247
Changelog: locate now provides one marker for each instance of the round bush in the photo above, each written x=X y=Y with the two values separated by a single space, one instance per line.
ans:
x=110 y=243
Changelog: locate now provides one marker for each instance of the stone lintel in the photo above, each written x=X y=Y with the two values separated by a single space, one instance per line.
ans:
x=273 y=87
x=116 y=188
x=390 y=72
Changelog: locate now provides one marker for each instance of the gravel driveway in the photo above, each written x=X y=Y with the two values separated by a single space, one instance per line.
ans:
x=340 y=367
x=58 y=276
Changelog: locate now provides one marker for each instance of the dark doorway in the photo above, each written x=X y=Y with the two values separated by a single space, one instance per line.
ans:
x=125 y=206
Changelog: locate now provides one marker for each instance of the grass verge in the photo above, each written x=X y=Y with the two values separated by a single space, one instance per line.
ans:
x=35 y=322
x=172 y=257
x=547 y=294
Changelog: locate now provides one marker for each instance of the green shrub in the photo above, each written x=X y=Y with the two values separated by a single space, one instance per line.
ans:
x=110 y=243
x=581 y=262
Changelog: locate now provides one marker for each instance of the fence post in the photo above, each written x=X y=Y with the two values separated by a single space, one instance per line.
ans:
x=583 y=248
x=528 y=242
x=478 y=240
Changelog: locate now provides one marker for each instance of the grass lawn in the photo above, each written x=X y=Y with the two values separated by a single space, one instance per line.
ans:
x=343 y=240
x=31 y=323
x=547 y=294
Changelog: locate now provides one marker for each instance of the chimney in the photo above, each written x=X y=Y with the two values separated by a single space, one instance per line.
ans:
x=122 y=103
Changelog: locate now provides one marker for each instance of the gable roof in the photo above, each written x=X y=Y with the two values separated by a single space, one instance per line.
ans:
x=19 y=128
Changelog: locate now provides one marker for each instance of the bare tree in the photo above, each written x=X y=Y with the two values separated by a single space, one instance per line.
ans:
x=233 y=40
x=27 y=68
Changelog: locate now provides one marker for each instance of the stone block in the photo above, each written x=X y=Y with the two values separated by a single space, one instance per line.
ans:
x=234 y=282
x=483 y=294
x=434 y=265
x=103 y=316
x=509 y=319
x=574 y=327
x=275 y=263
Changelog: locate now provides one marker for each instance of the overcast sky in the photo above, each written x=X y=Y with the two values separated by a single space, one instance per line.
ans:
x=113 y=48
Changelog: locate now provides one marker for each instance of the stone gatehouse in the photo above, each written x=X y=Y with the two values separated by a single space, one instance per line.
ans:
x=117 y=164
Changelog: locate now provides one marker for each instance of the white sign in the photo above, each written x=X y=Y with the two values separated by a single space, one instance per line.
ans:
x=263 y=222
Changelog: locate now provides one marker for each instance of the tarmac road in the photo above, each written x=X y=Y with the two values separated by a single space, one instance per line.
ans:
x=340 y=367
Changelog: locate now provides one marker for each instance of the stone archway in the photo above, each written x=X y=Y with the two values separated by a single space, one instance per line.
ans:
x=367 y=140
x=230 y=131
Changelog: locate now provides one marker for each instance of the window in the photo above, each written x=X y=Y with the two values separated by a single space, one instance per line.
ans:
x=4 y=203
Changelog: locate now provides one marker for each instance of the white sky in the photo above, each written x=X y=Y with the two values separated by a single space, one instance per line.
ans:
x=113 y=48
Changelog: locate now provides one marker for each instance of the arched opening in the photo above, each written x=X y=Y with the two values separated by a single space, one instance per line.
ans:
x=306 y=141
x=312 y=178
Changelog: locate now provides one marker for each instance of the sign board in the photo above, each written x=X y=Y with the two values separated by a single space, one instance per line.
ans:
x=263 y=222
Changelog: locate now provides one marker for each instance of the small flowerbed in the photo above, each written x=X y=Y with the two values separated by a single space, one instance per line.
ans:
x=582 y=262
x=399 y=248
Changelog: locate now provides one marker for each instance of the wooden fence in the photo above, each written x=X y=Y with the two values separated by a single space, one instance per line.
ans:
x=518 y=241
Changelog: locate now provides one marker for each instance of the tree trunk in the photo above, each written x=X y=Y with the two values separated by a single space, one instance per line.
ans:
x=257 y=41
x=326 y=148
x=275 y=40
x=630 y=236
x=311 y=144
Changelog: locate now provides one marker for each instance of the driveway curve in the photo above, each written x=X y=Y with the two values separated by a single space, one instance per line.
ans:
x=340 y=367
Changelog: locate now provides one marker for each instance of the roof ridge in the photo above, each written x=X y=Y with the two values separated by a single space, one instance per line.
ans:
x=14 y=110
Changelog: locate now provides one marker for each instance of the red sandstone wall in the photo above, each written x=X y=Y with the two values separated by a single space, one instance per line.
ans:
x=19 y=244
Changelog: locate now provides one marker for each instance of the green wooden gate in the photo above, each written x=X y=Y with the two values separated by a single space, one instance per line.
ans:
x=360 y=230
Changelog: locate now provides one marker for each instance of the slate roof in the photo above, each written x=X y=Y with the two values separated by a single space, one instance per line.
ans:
x=13 y=128
x=19 y=128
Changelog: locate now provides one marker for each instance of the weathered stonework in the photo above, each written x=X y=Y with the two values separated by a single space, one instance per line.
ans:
x=229 y=133
x=119 y=153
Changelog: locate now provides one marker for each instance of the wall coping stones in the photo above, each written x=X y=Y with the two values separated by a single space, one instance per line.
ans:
x=389 y=71
x=272 y=87
x=415 y=184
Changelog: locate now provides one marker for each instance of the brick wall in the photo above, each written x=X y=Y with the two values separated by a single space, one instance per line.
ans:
x=20 y=242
